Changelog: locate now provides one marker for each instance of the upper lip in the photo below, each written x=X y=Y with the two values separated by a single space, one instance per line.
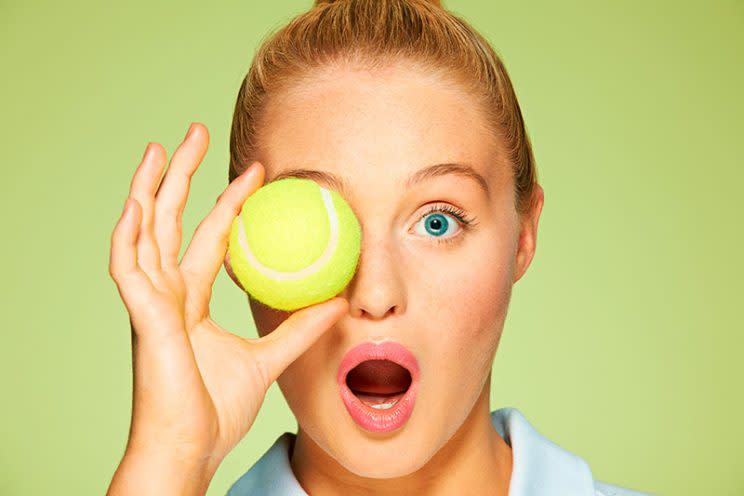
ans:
x=388 y=350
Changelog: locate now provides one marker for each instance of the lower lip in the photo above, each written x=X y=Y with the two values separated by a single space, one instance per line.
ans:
x=378 y=420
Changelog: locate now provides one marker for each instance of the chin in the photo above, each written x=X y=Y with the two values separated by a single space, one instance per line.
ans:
x=382 y=458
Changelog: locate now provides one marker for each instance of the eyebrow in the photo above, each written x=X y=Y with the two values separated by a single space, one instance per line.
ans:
x=421 y=175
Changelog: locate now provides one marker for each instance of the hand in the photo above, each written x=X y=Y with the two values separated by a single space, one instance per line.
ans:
x=197 y=387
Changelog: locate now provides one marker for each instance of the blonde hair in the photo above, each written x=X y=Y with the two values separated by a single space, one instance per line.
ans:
x=372 y=33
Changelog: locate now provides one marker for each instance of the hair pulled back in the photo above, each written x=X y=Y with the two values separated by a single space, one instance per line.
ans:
x=373 y=33
x=320 y=2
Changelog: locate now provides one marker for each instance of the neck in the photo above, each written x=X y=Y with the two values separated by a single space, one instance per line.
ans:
x=476 y=460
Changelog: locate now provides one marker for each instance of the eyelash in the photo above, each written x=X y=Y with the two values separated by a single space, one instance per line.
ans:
x=466 y=223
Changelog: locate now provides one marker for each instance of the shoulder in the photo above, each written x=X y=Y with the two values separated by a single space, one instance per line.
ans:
x=605 y=489
x=543 y=468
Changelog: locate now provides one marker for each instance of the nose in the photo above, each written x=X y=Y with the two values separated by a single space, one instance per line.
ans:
x=377 y=289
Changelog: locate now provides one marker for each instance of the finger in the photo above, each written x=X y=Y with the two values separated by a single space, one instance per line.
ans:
x=144 y=184
x=132 y=283
x=123 y=256
x=171 y=196
x=206 y=251
x=278 y=349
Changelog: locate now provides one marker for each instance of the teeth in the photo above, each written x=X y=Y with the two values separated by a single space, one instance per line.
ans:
x=384 y=406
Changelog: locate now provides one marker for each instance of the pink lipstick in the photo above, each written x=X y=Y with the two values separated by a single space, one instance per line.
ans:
x=378 y=385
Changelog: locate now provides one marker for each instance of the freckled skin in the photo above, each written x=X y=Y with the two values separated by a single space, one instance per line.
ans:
x=446 y=302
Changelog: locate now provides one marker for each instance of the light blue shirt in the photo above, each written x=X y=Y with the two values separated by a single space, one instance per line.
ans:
x=539 y=467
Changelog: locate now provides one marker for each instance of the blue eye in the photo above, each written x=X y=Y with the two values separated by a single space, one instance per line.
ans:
x=437 y=223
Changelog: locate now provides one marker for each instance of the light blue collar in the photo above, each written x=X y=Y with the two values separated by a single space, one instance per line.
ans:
x=540 y=467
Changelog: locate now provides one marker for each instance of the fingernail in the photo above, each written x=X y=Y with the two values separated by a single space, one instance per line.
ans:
x=147 y=150
x=251 y=168
x=190 y=131
x=126 y=206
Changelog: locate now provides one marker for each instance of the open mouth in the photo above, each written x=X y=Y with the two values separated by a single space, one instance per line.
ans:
x=379 y=384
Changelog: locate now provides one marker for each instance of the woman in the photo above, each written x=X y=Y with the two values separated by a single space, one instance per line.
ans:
x=406 y=111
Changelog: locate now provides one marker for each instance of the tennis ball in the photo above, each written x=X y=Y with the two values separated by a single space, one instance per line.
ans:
x=294 y=244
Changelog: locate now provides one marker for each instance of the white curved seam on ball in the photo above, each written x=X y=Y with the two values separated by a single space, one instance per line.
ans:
x=319 y=263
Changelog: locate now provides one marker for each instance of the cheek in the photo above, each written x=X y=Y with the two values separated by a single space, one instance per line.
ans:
x=468 y=300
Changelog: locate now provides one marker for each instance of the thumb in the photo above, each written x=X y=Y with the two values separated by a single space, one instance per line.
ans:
x=277 y=350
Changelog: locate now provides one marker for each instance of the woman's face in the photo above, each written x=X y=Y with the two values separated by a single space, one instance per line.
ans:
x=436 y=286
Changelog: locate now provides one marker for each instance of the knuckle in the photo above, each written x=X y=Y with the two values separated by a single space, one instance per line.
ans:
x=122 y=277
x=167 y=214
x=118 y=276
x=114 y=268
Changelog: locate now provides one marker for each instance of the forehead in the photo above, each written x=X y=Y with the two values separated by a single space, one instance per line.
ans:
x=383 y=126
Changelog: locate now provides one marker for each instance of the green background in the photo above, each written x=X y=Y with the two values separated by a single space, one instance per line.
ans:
x=623 y=340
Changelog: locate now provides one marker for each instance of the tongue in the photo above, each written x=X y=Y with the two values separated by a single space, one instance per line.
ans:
x=378 y=379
